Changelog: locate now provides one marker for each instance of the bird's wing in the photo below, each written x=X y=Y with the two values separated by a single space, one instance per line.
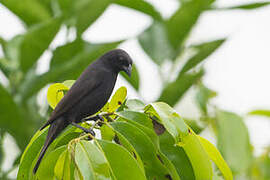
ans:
x=83 y=86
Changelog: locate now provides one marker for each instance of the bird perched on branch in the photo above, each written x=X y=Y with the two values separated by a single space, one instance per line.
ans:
x=87 y=96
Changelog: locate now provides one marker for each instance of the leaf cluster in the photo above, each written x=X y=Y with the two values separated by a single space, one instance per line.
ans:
x=164 y=41
x=137 y=142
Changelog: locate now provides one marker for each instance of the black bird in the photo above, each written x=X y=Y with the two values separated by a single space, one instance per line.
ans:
x=87 y=96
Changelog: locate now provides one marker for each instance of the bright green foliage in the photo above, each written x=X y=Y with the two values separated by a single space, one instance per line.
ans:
x=174 y=91
x=31 y=11
x=185 y=18
x=155 y=43
x=91 y=161
x=135 y=104
x=216 y=157
x=141 y=6
x=204 y=50
x=128 y=168
x=260 y=112
x=30 y=154
x=181 y=155
x=10 y=111
x=63 y=166
x=236 y=149
x=261 y=167
x=177 y=156
x=36 y=41
x=117 y=99
x=46 y=169
x=55 y=94
x=134 y=150
x=87 y=12
x=203 y=95
x=248 y=6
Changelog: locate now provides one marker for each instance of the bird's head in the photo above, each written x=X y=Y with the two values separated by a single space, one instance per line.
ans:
x=119 y=60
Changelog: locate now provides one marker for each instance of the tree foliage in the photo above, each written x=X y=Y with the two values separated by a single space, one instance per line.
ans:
x=163 y=41
x=129 y=147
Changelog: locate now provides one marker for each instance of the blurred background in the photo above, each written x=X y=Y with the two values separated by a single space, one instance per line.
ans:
x=209 y=59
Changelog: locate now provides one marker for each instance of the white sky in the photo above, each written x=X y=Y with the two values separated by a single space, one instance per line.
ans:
x=238 y=71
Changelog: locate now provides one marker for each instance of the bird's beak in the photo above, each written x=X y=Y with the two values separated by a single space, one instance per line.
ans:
x=128 y=70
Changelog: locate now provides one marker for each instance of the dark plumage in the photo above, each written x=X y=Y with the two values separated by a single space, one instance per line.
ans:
x=88 y=94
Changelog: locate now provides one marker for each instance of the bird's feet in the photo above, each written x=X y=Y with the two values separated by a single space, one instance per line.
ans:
x=91 y=131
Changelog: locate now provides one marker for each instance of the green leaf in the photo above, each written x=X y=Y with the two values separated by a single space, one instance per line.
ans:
x=202 y=97
x=30 y=11
x=260 y=112
x=198 y=156
x=91 y=161
x=30 y=154
x=261 y=167
x=182 y=22
x=149 y=154
x=66 y=136
x=64 y=53
x=68 y=70
x=120 y=139
x=142 y=6
x=170 y=167
x=167 y=116
x=2 y=42
x=204 y=50
x=174 y=91
x=117 y=99
x=216 y=157
x=143 y=123
x=49 y=5
x=183 y=137
x=13 y=119
x=249 y=6
x=128 y=168
x=55 y=93
x=233 y=141
x=1 y=148
x=154 y=41
x=66 y=7
x=107 y=133
x=46 y=168
x=216 y=176
x=177 y=156
x=62 y=168
x=36 y=41
x=137 y=117
x=69 y=83
x=194 y=125
x=5 y=66
x=87 y=13
x=134 y=79
x=11 y=50
x=32 y=150
x=135 y=104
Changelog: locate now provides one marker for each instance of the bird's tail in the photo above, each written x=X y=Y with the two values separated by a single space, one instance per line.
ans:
x=54 y=130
